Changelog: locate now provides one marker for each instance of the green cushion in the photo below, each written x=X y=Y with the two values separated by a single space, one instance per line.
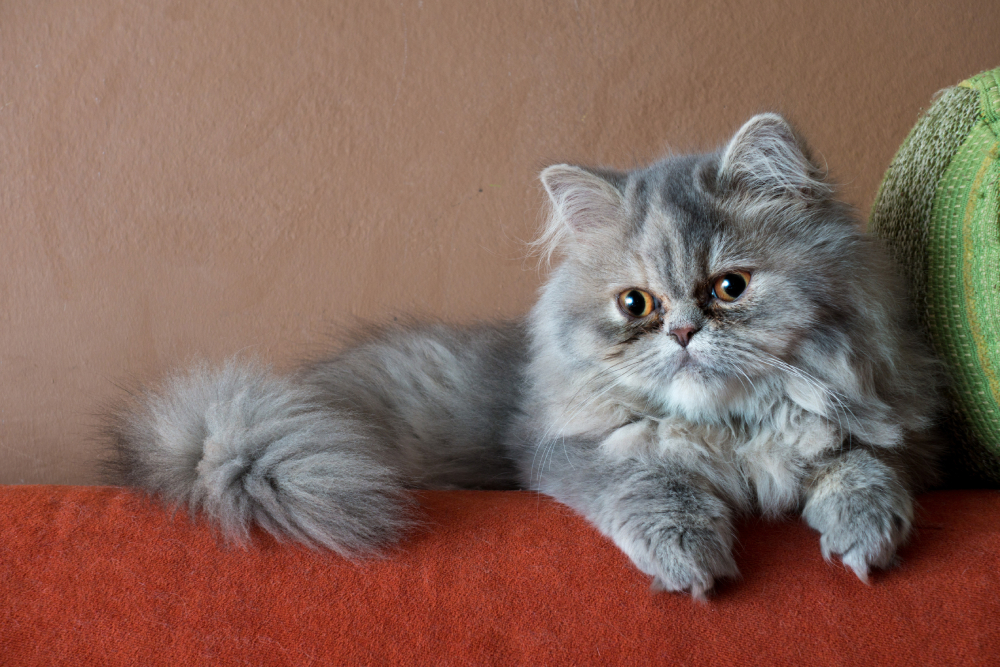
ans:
x=938 y=210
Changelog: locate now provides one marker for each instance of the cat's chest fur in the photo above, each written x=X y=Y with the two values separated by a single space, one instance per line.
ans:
x=759 y=465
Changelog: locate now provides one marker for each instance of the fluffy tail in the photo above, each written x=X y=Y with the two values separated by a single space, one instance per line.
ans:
x=247 y=447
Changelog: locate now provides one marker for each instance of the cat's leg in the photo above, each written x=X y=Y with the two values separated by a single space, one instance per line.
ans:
x=862 y=508
x=668 y=523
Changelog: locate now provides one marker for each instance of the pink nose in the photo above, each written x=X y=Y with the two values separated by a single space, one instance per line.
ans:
x=683 y=334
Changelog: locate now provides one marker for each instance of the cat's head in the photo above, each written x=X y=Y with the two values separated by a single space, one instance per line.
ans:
x=717 y=284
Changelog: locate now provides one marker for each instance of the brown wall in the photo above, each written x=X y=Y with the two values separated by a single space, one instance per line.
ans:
x=193 y=179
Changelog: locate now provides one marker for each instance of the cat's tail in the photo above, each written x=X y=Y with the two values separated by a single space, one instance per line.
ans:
x=247 y=447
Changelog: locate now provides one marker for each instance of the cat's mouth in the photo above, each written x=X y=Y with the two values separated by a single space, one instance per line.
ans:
x=686 y=366
x=684 y=359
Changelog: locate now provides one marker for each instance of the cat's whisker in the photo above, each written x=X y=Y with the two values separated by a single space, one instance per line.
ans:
x=837 y=398
x=617 y=368
x=743 y=375
x=837 y=402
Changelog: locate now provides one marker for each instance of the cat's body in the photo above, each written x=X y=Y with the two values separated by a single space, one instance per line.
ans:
x=718 y=338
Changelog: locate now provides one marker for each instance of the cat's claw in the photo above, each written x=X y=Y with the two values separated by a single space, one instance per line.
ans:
x=859 y=567
x=698 y=591
x=883 y=557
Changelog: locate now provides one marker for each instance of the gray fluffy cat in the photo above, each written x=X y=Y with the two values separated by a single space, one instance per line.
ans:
x=718 y=338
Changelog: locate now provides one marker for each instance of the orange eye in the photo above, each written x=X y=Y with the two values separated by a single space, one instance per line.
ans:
x=731 y=286
x=636 y=303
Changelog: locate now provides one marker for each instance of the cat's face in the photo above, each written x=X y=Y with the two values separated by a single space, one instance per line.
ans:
x=693 y=283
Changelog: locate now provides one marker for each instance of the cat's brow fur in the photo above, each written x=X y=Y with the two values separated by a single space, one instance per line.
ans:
x=810 y=392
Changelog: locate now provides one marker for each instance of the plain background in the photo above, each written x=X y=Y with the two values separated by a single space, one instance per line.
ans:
x=192 y=180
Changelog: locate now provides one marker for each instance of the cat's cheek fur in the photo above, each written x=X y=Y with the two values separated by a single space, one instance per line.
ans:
x=636 y=438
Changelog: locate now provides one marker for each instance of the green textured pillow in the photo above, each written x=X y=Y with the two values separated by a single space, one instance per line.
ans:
x=939 y=212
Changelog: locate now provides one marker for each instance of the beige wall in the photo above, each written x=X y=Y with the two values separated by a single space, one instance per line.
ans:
x=189 y=180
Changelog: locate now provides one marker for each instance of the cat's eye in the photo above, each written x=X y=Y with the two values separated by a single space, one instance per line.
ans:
x=730 y=286
x=636 y=303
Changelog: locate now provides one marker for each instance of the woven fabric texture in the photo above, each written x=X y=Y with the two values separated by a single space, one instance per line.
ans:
x=99 y=576
x=939 y=212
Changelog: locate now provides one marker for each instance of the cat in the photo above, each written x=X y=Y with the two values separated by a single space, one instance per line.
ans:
x=717 y=338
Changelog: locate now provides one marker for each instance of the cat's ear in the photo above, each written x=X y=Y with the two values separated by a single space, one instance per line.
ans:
x=583 y=199
x=584 y=205
x=766 y=160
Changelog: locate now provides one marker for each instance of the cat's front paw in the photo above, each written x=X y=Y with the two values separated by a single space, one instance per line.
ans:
x=683 y=551
x=693 y=560
x=864 y=521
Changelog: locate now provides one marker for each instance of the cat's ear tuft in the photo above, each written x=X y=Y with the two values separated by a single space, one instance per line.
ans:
x=766 y=160
x=583 y=204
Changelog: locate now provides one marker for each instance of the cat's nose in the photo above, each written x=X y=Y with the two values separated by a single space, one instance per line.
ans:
x=683 y=333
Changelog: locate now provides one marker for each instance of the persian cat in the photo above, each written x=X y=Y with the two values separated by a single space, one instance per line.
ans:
x=717 y=337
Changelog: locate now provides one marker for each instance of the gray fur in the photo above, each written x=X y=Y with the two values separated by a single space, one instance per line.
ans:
x=809 y=393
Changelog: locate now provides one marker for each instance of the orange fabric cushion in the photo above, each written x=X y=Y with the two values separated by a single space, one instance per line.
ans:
x=101 y=576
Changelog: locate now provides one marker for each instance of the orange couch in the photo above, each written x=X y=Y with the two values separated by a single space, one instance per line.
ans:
x=95 y=575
